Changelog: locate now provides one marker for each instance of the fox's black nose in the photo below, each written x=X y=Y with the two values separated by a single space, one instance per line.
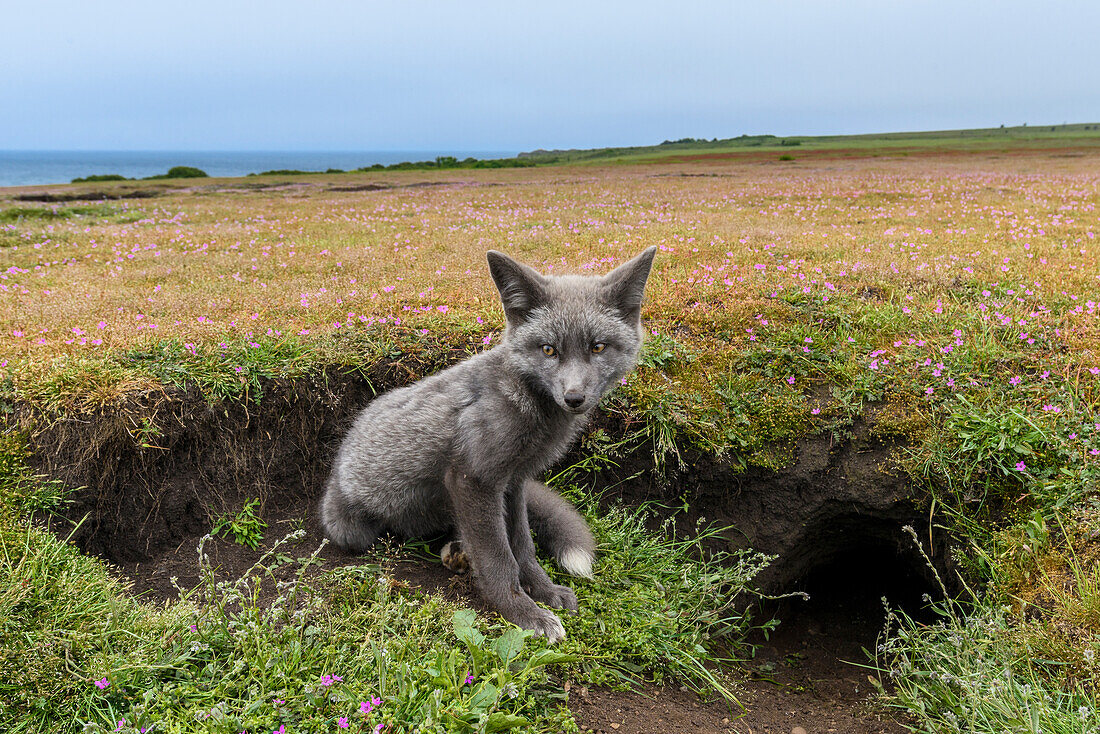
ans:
x=574 y=399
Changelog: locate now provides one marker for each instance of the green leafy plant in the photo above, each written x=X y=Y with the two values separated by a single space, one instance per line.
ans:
x=245 y=528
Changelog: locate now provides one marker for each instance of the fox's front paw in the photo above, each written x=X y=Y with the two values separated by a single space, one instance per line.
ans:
x=557 y=597
x=544 y=622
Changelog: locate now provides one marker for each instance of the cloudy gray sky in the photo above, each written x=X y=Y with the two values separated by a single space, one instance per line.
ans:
x=442 y=74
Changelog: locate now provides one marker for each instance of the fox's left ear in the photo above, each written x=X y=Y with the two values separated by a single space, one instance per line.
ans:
x=625 y=284
x=521 y=287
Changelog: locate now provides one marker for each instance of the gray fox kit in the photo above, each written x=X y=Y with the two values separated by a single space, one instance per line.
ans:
x=461 y=449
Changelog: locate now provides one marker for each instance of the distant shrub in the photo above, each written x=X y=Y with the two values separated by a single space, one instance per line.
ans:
x=790 y=142
x=281 y=172
x=100 y=177
x=449 y=161
x=181 y=172
x=786 y=157
x=186 y=172
x=335 y=170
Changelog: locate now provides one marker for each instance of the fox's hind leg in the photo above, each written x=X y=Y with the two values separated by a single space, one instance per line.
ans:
x=454 y=557
x=346 y=525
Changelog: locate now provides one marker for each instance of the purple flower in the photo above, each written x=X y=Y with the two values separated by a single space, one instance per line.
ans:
x=102 y=683
x=342 y=722
x=469 y=678
x=1020 y=466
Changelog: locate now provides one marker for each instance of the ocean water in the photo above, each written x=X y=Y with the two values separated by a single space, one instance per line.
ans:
x=33 y=167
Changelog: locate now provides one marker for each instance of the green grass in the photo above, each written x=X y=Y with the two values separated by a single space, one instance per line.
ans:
x=283 y=645
x=655 y=610
x=973 y=673
x=980 y=669
x=29 y=214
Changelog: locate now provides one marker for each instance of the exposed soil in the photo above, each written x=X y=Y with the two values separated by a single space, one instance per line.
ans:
x=149 y=493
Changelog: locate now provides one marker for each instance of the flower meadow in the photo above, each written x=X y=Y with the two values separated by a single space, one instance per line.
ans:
x=957 y=296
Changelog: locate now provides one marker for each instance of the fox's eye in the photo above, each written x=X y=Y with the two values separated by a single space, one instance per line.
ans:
x=598 y=347
x=549 y=350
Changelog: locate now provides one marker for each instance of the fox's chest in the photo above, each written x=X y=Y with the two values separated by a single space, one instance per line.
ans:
x=542 y=446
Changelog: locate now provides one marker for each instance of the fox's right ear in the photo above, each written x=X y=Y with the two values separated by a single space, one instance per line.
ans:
x=521 y=288
x=626 y=284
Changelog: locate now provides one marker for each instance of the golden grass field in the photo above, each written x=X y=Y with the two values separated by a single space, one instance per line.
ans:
x=217 y=260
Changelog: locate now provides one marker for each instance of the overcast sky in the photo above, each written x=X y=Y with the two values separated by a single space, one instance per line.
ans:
x=449 y=75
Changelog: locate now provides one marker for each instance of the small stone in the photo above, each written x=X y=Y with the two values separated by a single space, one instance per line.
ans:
x=614 y=726
x=798 y=730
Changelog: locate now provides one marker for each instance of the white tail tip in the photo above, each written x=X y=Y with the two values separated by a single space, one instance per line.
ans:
x=576 y=562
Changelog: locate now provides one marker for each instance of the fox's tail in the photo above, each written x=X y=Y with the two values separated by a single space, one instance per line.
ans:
x=559 y=529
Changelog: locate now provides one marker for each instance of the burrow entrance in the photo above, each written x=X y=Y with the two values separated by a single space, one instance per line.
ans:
x=156 y=471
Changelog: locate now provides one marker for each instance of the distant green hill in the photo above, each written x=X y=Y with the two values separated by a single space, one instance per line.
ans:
x=990 y=137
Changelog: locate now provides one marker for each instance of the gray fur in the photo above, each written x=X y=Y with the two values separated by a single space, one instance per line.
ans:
x=460 y=449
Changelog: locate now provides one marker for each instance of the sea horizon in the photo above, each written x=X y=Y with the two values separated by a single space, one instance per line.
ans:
x=43 y=167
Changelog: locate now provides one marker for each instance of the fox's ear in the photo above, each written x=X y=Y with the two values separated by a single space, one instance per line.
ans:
x=625 y=284
x=521 y=288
